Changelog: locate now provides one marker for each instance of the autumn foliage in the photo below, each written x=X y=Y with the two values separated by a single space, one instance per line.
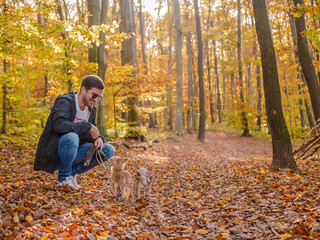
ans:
x=218 y=190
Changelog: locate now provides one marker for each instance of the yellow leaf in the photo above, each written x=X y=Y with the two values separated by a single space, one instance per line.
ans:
x=225 y=235
x=44 y=237
x=201 y=231
x=104 y=233
x=263 y=171
x=101 y=237
x=29 y=218
x=16 y=218
x=133 y=221
x=286 y=236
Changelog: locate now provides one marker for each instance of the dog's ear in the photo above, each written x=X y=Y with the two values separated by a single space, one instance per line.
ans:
x=137 y=176
x=113 y=160
x=150 y=174
x=124 y=162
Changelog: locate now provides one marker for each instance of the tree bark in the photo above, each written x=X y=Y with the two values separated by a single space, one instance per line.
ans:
x=244 y=119
x=4 y=99
x=102 y=68
x=67 y=46
x=129 y=52
x=143 y=45
x=201 y=131
x=219 y=108
x=94 y=9
x=299 y=72
x=306 y=63
x=179 y=90
x=169 y=87
x=189 y=72
x=281 y=144
x=208 y=65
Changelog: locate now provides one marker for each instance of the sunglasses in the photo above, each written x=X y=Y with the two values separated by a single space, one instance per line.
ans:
x=94 y=96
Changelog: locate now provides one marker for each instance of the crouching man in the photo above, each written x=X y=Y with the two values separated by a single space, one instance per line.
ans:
x=69 y=132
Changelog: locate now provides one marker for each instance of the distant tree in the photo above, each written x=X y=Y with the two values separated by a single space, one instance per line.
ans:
x=281 y=143
x=143 y=45
x=179 y=90
x=243 y=111
x=189 y=68
x=208 y=63
x=202 y=122
x=4 y=100
x=306 y=62
x=67 y=46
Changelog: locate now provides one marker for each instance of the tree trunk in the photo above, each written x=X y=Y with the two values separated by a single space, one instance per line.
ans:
x=258 y=79
x=208 y=65
x=94 y=9
x=169 y=87
x=64 y=35
x=243 y=111
x=299 y=72
x=189 y=70
x=302 y=118
x=218 y=81
x=129 y=52
x=4 y=100
x=102 y=67
x=281 y=144
x=306 y=63
x=201 y=132
x=179 y=90
x=143 y=46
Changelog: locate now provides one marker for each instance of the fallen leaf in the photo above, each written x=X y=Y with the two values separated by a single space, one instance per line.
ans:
x=286 y=236
x=201 y=231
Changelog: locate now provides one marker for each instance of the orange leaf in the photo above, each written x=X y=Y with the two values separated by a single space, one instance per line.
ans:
x=72 y=227
x=144 y=235
x=300 y=230
x=65 y=234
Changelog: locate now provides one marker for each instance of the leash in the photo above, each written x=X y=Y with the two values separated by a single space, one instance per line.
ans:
x=102 y=163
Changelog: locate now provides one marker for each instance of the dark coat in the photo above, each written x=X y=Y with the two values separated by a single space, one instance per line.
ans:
x=60 y=122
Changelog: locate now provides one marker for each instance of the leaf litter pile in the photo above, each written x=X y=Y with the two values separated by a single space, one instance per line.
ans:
x=218 y=190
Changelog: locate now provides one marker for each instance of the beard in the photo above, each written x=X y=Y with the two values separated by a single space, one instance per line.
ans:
x=86 y=102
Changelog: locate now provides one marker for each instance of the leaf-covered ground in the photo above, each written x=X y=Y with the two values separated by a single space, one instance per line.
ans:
x=218 y=190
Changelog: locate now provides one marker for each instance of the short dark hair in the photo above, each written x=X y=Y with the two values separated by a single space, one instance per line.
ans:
x=92 y=81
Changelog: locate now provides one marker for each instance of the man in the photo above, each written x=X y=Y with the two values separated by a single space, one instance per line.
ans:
x=69 y=132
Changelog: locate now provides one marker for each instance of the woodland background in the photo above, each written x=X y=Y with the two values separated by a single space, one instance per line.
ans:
x=46 y=45
x=184 y=74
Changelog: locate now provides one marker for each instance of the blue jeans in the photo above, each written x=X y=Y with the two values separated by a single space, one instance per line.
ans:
x=71 y=156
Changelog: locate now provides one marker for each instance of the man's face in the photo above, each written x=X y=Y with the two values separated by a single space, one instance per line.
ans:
x=91 y=96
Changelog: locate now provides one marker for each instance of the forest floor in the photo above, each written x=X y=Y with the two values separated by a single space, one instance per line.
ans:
x=221 y=189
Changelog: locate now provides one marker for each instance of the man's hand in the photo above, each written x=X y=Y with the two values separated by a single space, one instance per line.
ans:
x=98 y=142
x=94 y=131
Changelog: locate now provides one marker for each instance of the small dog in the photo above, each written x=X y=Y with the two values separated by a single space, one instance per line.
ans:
x=122 y=178
x=143 y=180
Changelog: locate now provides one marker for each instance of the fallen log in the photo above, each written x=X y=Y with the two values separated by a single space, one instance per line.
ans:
x=145 y=147
x=310 y=145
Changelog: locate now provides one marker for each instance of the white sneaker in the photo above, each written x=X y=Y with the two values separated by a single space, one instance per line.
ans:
x=68 y=182
x=74 y=181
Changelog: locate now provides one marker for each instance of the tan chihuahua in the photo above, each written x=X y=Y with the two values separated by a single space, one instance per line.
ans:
x=122 y=178
x=143 y=180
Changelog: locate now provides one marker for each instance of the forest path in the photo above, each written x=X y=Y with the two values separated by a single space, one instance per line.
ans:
x=221 y=189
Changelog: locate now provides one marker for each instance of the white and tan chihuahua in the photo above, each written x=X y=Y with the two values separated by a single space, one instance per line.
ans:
x=122 y=178
x=143 y=180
